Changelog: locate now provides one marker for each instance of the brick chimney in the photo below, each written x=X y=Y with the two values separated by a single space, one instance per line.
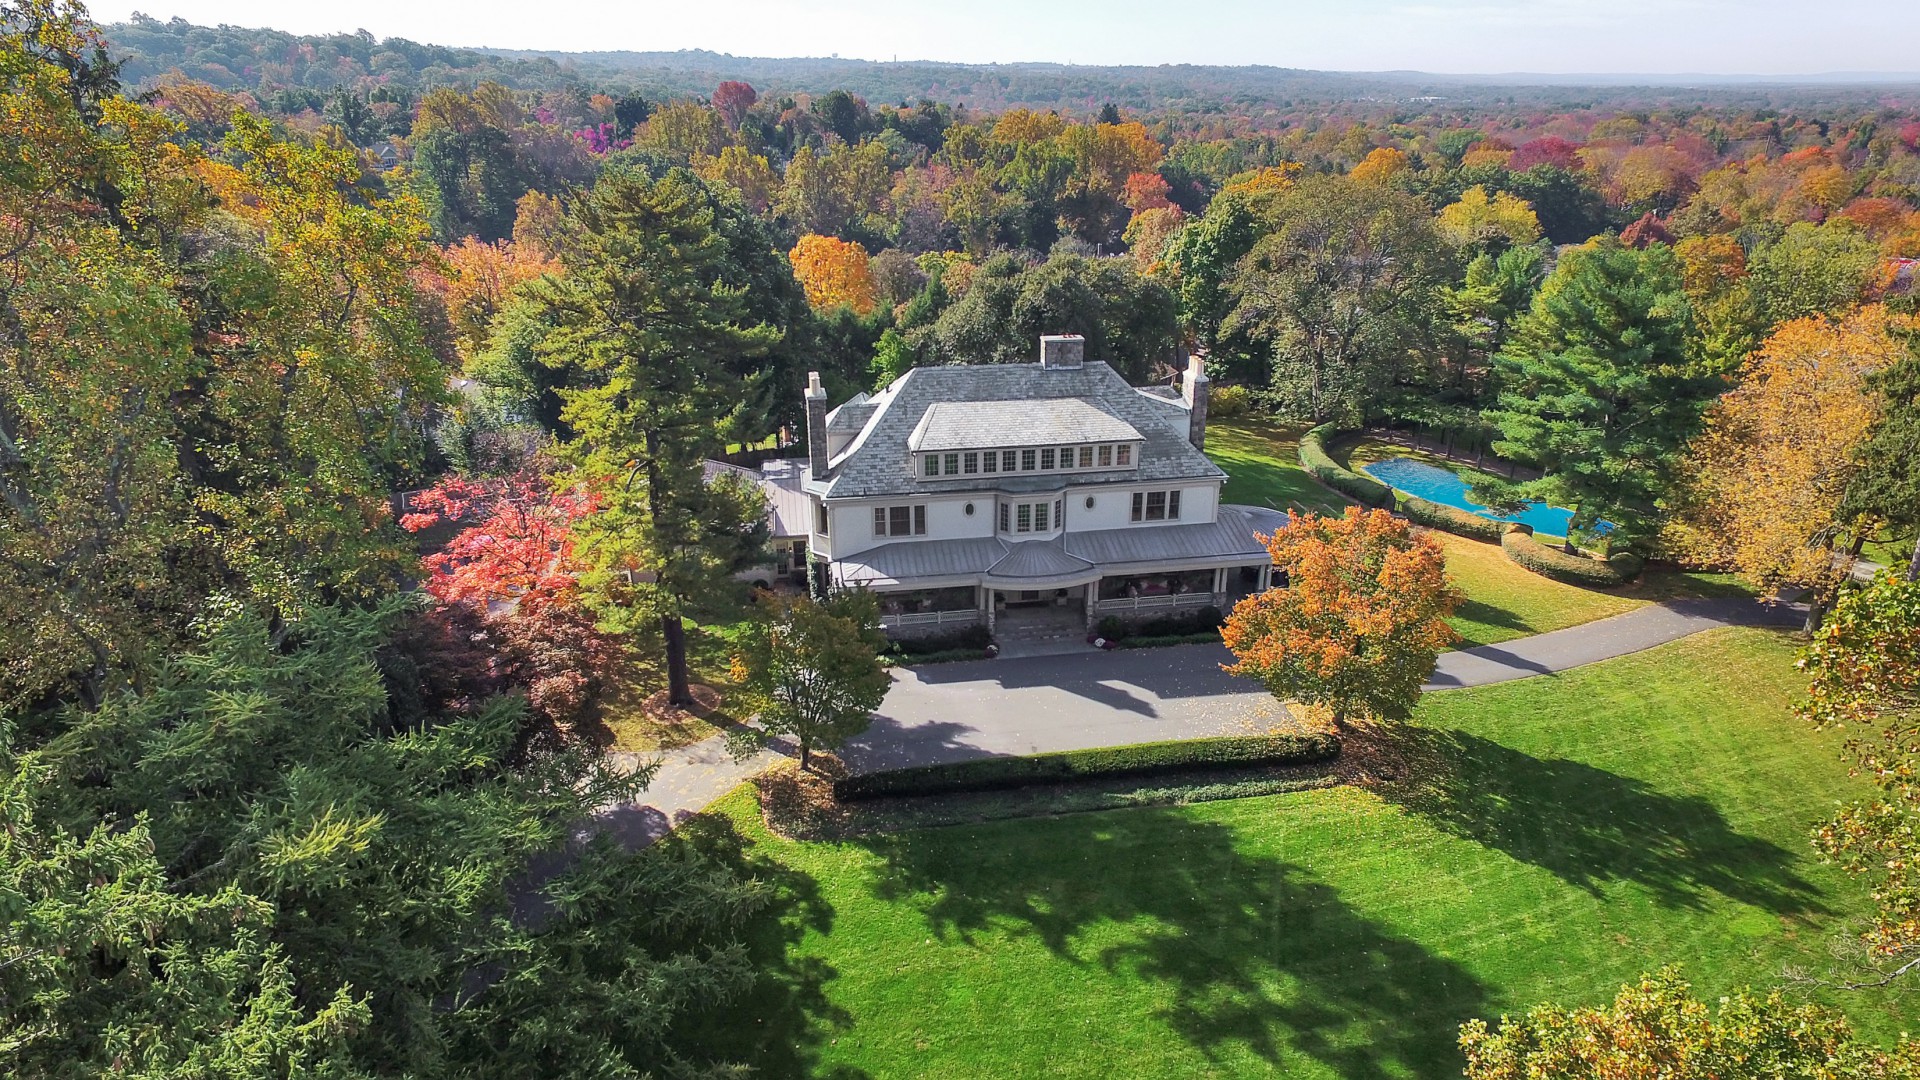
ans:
x=1062 y=350
x=816 y=426
x=1195 y=389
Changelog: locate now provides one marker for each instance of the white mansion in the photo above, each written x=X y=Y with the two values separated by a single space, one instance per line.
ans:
x=960 y=492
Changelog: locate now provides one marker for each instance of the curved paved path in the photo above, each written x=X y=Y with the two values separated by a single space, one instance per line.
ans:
x=950 y=712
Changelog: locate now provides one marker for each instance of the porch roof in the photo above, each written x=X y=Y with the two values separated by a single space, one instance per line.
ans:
x=1075 y=559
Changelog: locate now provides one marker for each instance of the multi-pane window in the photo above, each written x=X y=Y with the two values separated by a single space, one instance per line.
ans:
x=970 y=463
x=1046 y=458
x=1086 y=457
x=1026 y=460
x=1032 y=517
x=1123 y=454
x=1006 y=461
x=952 y=465
x=1066 y=457
x=990 y=462
x=1156 y=506
x=1106 y=456
x=930 y=465
x=900 y=521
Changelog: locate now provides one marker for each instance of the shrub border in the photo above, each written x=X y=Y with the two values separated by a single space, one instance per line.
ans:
x=1321 y=466
x=1451 y=519
x=1520 y=546
x=1000 y=773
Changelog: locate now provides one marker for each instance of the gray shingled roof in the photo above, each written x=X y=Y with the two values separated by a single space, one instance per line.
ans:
x=852 y=415
x=879 y=462
x=982 y=425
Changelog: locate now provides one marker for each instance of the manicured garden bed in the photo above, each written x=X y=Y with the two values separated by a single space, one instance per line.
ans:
x=1545 y=839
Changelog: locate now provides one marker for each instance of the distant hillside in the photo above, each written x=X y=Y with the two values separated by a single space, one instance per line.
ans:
x=238 y=58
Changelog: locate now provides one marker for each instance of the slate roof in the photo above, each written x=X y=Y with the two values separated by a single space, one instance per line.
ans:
x=993 y=561
x=852 y=415
x=878 y=462
x=982 y=425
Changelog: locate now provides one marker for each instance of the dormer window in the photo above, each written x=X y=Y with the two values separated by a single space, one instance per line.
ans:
x=1106 y=457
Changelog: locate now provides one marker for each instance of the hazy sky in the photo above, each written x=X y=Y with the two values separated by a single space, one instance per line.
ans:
x=1715 y=36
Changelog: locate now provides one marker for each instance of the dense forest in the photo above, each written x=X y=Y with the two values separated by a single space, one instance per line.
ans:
x=274 y=308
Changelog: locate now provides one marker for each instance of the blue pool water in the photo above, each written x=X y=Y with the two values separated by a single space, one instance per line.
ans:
x=1435 y=484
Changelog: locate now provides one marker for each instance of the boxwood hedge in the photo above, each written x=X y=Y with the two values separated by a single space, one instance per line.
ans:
x=990 y=774
x=1451 y=519
x=1522 y=548
x=1321 y=466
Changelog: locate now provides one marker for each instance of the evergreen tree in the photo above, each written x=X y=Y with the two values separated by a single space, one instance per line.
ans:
x=657 y=330
x=371 y=869
x=1888 y=484
x=1596 y=386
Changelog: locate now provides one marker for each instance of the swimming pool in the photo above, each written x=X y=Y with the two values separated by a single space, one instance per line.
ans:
x=1435 y=484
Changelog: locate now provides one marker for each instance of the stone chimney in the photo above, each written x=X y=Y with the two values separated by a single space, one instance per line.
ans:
x=1195 y=390
x=1062 y=350
x=816 y=426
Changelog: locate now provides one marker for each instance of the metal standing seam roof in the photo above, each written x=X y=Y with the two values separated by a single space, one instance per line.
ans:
x=984 y=425
x=781 y=482
x=878 y=461
x=994 y=561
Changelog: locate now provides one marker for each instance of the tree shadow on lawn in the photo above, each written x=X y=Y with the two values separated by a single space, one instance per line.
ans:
x=1484 y=614
x=1586 y=825
x=1255 y=951
x=780 y=1025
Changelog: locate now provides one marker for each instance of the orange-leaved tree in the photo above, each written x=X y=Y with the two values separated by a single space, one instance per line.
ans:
x=834 y=273
x=1763 y=483
x=1360 y=622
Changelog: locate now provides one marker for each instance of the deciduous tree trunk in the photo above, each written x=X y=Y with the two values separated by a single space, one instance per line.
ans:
x=1913 y=567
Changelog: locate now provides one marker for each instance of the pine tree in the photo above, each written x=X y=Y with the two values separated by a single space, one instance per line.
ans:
x=649 y=318
x=1596 y=387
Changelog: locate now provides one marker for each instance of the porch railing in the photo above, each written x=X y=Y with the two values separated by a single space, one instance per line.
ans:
x=1130 y=604
x=930 y=618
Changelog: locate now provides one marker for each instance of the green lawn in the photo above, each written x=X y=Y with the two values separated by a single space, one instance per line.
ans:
x=1262 y=463
x=1565 y=834
x=1503 y=600
x=1506 y=601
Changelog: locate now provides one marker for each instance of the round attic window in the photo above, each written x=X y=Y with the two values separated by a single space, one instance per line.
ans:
x=969 y=509
x=1089 y=502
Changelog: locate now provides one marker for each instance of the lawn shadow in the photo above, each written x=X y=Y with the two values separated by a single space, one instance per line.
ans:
x=780 y=1024
x=1485 y=614
x=1253 y=952
x=1586 y=825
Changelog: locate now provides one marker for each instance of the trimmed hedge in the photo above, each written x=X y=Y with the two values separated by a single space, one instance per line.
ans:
x=1154 y=641
x=1321 y=466
x=1451 y=519
x=1522 y=548
x=992 y=774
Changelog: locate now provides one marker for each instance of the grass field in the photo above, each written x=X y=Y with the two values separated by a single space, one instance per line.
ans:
x=1262 y=463
x=1559 y=836
x=1506 y=601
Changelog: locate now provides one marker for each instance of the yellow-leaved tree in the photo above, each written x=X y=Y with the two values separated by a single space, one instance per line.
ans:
x=835 y=273
x=1762 y=483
